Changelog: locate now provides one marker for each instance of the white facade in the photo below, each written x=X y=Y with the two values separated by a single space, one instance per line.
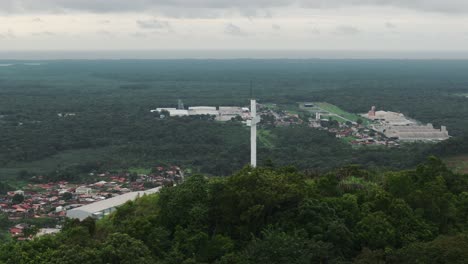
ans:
x=83 y=190
x=19 y=192
x=226 y=113
x=172 y=111
x=396 y=125
x=391 y=118
x=47 y=231
x=417 y=133
x=203 y=110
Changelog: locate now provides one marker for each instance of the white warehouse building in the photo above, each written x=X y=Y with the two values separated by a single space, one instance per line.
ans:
x=203 y=110
x=417 y=133
x=102 y=208
x=391 y=118
x=226 y=113
x=172 y=111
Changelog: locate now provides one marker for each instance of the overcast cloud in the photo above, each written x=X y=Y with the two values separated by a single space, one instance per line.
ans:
x=98 y=6
x=234 y=24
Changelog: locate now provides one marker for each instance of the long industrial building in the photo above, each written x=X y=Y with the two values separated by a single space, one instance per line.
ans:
x=398 y=126
x=417 y=133
x=100 y=209
x=173 y=111
x=203 y=110
x=225 y=113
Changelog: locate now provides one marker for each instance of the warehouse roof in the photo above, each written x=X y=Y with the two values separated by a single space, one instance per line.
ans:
x=113 y=202
x=203 y=108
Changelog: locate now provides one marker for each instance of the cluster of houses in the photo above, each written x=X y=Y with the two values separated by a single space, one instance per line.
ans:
x=360 y=135
x=352 y=132
x=52 y=200
x=278 y=118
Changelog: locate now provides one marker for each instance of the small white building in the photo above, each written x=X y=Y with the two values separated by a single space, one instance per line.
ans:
x=19 y=192
x=83 y=190
x=47 y=231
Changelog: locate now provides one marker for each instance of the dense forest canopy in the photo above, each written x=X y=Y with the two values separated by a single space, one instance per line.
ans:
x=266 y=215
x=112 y=124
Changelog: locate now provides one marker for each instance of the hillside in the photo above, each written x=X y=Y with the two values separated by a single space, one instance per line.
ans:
x=269 y=215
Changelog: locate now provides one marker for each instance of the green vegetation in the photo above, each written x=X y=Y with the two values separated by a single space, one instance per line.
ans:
x=345 y=116
x=349 y=139
x=276 y=216
x=139 y=170
x=291 y=108
x=271 y=106
x=62 y=159
x=112 y=128
x=265 y=138
x=458 y=163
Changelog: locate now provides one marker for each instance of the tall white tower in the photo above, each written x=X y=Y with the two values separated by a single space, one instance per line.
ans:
x=254 y=120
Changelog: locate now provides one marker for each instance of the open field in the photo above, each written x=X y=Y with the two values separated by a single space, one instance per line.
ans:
x=271 y=106
x=265 y=138
x=139 y=170
x=458 y=163
x=338 y=111
x=291 y=108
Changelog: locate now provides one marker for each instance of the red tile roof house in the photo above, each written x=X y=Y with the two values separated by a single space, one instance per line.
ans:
x=19 y=208
x=14 y=231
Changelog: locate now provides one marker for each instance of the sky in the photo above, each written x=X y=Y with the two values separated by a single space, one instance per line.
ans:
x=391 y=25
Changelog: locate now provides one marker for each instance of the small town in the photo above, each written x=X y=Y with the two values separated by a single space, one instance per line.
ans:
x=50 y=201
x=375 y=128
x=378 y=128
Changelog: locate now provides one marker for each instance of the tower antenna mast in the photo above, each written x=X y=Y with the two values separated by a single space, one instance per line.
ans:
x=254 y=120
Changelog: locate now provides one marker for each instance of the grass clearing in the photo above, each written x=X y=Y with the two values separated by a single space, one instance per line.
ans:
x=458 y=164
x=462 y=95
x=349 y=139
x=333 y=109
x=340 y=112
x=271 y=106
x=265 y=137
x=140 y=170
x=292 y=109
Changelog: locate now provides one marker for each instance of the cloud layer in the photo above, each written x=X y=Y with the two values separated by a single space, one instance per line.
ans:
x=234 y=24
x=102 y=6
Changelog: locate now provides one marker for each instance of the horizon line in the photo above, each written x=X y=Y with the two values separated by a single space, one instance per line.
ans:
x=224 y=54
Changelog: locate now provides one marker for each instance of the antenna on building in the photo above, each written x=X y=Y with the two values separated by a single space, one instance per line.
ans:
x=180 y=105
x=251 y=89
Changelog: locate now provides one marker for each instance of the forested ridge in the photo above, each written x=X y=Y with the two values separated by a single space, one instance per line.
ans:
x=276 y=215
